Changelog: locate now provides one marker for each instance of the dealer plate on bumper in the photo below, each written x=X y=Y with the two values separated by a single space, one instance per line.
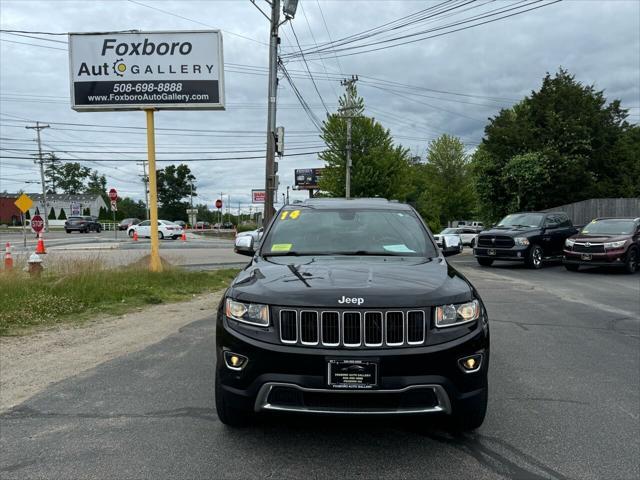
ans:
x=352 y=374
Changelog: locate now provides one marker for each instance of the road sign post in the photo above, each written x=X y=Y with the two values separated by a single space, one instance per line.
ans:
x=24 y=203
x=113 y=196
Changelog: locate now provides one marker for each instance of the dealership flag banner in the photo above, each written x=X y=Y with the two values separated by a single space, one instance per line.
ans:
x=144 y=70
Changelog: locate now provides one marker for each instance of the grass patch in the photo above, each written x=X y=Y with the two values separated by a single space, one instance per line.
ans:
x=74 y=293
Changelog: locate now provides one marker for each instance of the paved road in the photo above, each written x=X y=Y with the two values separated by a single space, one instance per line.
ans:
x=564 y=403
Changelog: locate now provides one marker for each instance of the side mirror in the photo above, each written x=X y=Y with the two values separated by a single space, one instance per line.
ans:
x=244 y=245
x=451 y=245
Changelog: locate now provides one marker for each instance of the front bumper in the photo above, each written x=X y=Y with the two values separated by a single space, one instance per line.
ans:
x=517 y=253
x=612 y=258
x=420 y=380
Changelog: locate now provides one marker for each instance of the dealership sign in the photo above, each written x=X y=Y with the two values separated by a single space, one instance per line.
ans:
x=258 y=196
x=308 y=178
x=145 y=70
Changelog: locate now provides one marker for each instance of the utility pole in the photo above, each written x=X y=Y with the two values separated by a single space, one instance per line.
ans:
x=348 y=113
x=287 y=195
x=270 y=171
x=145 y=180
x=37 y=128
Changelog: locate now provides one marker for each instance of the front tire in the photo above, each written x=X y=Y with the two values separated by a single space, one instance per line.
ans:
x=631 y=265
x=534 y=257
x=131 y=233
x=469 y=416
x=228 y=415
x=161 y=235
x=485 y=262
x=68 y=231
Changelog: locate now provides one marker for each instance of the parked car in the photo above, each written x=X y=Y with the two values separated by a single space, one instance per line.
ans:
x=127 y=222
x=255 y=234
x=529 y=237
x=467 y=235
x=349 y=307
x=202 y=225
x=82 y=224
x=609 y=242
x=166 y=229
x=183 y=224
x=227 y=225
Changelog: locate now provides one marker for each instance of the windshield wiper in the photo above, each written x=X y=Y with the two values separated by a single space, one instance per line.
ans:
x=292 y=253
x=365 y=253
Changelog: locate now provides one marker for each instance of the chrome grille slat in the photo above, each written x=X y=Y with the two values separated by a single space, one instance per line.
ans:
x=309 y=328
x=353 y=328
x=394 y=328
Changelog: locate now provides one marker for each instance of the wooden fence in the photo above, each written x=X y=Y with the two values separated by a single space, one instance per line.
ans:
x=585 y=211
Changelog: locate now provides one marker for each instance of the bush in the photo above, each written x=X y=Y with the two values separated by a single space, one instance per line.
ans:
x=247 y=227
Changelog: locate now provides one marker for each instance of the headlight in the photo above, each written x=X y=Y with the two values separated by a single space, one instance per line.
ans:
x=612 y=245
x=569 y=243
x=252 y=313
x=450 y=315
x=522 y=241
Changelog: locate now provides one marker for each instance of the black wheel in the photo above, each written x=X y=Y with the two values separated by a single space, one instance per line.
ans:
x=485 y=262
x=473 y=243
x=99 y=229
x=572 y=267
x=228 y=415
x=631 y=265
x=68 y=231
x=534 y=257
x=131 y=232
x=161 y=235
x=470 y=415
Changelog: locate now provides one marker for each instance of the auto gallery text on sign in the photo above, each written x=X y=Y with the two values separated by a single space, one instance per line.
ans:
x=142 y=70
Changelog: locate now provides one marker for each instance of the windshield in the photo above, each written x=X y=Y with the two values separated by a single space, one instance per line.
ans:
x=609 y=227
x=447 y=231
x=306 y=231
x=522 y=220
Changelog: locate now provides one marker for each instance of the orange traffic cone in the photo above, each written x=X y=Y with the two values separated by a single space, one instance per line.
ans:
x=183 y=237
x=135 y=236
x=8 y=259
x=40 y=246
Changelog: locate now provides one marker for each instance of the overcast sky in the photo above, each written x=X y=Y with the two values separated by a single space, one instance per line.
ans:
x=481 y=69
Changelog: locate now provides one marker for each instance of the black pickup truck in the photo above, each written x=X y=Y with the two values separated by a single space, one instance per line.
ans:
x=529 y=237
x=348 y=307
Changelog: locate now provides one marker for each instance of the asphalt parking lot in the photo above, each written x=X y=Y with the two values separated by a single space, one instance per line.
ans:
x=564 y=403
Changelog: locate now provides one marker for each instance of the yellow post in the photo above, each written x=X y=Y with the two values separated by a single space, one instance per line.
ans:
x=155 y=265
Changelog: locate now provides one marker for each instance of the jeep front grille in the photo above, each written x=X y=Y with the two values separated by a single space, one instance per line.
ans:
x=353 y=328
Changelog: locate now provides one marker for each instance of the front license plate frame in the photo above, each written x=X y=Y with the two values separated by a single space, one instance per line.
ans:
x=352 y=374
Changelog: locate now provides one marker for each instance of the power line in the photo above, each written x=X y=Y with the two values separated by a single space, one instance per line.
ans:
x=308 y=70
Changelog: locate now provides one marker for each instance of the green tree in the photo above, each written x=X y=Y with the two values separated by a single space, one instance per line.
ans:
x=129 y=208
x=444 y=184
x=96 y=183
x=174 y=184
x=379 y=168
x=63 y=215
x=52 y=173
x=569 y=133
x=72 y=178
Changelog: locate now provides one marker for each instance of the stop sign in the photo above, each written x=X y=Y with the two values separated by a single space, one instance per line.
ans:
x=113 y=194
x=218 y=204
x=37 y=224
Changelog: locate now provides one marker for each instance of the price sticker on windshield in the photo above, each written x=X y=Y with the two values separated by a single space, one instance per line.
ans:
x=292 y=214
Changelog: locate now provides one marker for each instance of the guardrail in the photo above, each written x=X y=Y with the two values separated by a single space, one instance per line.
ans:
x=109 y=226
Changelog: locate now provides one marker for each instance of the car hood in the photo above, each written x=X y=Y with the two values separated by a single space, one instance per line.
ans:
x=509 y=231
x=598 y=238
x=321 y=281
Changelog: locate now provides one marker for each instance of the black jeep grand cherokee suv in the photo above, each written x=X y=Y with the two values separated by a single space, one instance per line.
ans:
x=349 y=307
x=529 y=237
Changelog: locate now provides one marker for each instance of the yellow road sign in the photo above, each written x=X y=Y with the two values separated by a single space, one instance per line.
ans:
x=24 y=203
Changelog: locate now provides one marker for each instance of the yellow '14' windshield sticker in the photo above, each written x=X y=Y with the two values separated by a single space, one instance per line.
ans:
x=292 y=214
x=281 y=247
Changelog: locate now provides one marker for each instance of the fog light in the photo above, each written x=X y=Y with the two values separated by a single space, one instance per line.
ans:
x=471 y=364
x=235 y=361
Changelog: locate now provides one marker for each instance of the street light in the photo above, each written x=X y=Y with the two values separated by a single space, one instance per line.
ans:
x=289 y=9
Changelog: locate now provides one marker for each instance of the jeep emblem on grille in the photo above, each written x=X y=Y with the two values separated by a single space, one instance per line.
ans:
x=356 y=300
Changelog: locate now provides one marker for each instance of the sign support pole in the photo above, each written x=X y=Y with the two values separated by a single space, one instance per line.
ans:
x=24 y=230
x=154 y=265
